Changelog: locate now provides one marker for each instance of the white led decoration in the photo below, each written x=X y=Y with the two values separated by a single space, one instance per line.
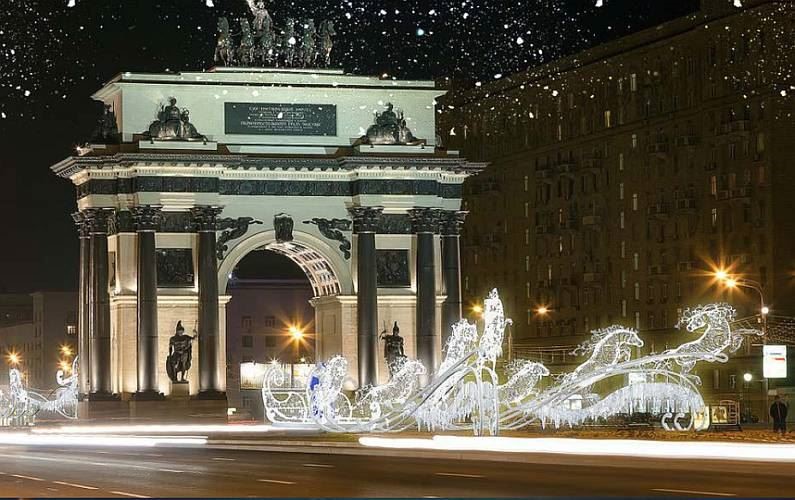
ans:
x=20 y=406
x=466 y=393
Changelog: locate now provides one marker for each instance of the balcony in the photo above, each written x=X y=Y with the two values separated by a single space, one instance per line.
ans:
x=687 y=205
x=738 y=127
x=659 y=147
x=592 y=164
x=592 y=278
x=543 y=173
x=686 y=141
x=592 y=220
x=566 y=167
x=659 y=271
x=741 y=193
x=658 y=211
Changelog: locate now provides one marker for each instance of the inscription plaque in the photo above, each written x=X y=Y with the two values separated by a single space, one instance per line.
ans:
x=280 y=119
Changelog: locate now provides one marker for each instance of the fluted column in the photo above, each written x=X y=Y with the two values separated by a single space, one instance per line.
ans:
x=451 y=270
x=84 y=311
x=425 y=223
x=206 y=224
x=365 y=225
x=147 y=221
x=99 y=304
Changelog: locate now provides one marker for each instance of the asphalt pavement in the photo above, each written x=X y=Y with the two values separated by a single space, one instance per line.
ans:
x=51 y=471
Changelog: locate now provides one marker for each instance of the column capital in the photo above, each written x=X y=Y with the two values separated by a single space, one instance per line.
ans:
x=82 y=225
x=147 y=217
x=205 y=218
x=365 y=219
x=96 y=219
x=425 y=220
x=451 y=222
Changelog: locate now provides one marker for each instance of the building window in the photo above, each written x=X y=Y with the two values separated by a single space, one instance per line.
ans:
x=526 y=183
x=716 y=379
x=526 y=210
x=527 y=263
x=248 y=341
x=637 y=291
x=526 y=236
x=633 y=82
x=620 y=190
x=713 y=185
x=637 y=320
x=623 y=249
x=608 y=123
x=634 y=141
x=714 y=217
x=732 y=381
x=270 y=341
x=246 y=324
x=624 y=308
x=623 y=279
x=270 y=321
x=635 y=202
x=621 y=162
x=635 y=261
x=621 y=220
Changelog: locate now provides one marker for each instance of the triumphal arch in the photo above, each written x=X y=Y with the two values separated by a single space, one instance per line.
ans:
x=189 y=172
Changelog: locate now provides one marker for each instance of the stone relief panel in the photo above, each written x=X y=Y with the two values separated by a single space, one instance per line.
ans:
x=174 y=267
x=392 y=268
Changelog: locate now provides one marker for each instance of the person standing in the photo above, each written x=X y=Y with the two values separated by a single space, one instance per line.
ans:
x=778 y=412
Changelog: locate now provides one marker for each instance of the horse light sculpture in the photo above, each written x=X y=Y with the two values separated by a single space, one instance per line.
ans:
x=21 y=406
x=466 y=393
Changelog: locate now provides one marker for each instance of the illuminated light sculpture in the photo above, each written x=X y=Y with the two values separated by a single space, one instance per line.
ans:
x=20 y=406
x=466 y=393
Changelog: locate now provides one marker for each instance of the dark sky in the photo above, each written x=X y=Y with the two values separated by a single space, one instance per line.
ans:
x=53 y=57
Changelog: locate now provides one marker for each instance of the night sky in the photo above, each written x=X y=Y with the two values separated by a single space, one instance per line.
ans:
x=53 y=57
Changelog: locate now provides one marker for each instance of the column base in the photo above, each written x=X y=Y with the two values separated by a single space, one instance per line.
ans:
x=148 y=396
x=103 y=396
x=210 y=396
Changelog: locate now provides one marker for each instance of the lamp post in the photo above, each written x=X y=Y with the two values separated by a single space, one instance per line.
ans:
x=732 y=282
x=297 y=335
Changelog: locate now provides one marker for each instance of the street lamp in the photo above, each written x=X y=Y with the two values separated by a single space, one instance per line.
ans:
x=733 y=282
x=14 y=359
x=66 y=350
x=297 y=335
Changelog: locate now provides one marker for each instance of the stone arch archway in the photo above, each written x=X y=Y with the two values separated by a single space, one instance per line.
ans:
x=326 y=271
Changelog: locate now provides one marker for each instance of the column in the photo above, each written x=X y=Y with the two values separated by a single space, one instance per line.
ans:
x=425 y=223
x=205 y=223
x=99 y=304
x=365 y=225
x=84 y=311
x=147 y=221
x=451 y=270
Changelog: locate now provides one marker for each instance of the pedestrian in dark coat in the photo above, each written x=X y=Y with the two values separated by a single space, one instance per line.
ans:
x=778 y=412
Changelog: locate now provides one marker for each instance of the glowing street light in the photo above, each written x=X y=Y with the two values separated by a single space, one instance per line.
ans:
x=295 y=332
x=477 y=309
x=14 y=359
x=66 y=350
x=748 y=377
x=542 y=310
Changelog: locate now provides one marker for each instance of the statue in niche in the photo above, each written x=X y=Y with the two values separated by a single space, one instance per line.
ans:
x=393 y=350
x=180 y=354
x=283 y=226
x=107 y=130
x=173 y=123
x=390 y=128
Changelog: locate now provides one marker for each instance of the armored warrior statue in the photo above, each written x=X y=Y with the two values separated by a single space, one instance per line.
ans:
x=107 y=130
x=173 y=124
x=180 y=354
x=393 y=350
x=245 y=51
x=264 y=52
x=390 y=128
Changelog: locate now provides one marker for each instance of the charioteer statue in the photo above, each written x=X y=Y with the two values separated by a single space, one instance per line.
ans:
x=180 y=355
x=393 y=350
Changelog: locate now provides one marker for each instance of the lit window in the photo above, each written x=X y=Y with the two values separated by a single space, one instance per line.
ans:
x=608 y=123
x=635 y=202
x=633 y=82
x=634 y=141
x=621 y=220
x=635 y=261
x=623 y=249
x=621 y=191
x=621 y=162
x=637 y=291
x=714 y=217
x=248 y=341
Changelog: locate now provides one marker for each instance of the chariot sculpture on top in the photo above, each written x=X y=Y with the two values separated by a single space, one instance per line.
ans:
x=466 y=391
x=260 y=42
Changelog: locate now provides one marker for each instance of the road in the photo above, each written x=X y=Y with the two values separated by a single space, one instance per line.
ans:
x=50 y=471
